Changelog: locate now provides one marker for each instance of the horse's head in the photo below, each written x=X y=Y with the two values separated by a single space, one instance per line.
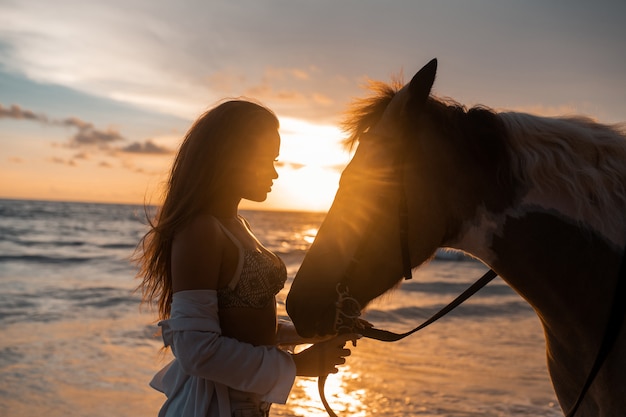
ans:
x=406 y=157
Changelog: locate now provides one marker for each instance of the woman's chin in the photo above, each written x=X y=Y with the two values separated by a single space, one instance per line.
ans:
x=257 y=198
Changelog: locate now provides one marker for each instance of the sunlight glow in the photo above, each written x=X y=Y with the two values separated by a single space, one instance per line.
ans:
x=310 y=164
x=341 y=399
x=311 y=187
x=312 y=144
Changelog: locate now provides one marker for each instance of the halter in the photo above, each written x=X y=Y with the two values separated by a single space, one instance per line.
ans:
x=348 y=308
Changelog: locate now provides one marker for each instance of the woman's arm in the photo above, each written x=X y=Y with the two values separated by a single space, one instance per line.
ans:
x=287 y=335
x=194 y=334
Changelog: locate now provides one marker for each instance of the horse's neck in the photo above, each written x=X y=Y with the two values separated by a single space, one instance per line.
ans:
x=566 y=273
x=541 y=249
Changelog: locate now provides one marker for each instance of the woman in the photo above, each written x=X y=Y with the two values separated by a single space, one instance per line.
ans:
x=215 y=283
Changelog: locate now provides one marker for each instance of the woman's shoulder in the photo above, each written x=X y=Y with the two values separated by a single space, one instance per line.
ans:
x=202 y=228
x=197 y=251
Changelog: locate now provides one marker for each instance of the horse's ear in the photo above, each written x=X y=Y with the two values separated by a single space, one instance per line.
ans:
x=420 y=85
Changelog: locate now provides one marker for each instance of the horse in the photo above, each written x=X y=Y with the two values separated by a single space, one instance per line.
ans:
x=539 y=200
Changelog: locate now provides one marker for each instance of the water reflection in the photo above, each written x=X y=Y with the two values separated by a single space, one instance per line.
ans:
x=305 y=399
x=309 y=235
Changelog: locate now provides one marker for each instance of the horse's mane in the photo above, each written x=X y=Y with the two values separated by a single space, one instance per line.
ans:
x=572 y=155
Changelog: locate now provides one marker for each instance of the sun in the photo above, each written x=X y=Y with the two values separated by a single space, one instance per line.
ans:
x=312 y=187
x=309 y=167
x=314 y=157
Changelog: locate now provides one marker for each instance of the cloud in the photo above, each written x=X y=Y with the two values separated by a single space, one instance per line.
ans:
x=81 y=155
x=285 y=89
x=87 y=138
x=147 y=147
x=75 y=122
x=61 y=161
x=290 y=165
x=91 y=136
x=177 y=57
x=16 y=112
x=153 y=60
x=87 y=134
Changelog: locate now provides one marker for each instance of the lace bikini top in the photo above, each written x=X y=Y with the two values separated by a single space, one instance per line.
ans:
x=259 y=276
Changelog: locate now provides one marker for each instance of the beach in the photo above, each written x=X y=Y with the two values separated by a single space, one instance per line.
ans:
x=74 y=341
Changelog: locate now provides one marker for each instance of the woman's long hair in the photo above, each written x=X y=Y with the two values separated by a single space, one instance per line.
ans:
x=207 y=156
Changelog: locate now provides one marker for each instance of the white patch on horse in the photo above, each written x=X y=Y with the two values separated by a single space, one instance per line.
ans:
x=478 y=233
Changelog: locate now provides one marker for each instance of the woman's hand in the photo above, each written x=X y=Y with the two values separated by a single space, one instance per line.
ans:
x=322 y=358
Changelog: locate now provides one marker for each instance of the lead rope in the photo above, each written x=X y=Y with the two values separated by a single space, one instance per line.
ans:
x=348 y=311
x=616 y=319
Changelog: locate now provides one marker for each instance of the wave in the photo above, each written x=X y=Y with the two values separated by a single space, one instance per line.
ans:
x=43 y=259
x=118 y=246
x=93 y=295
x=472 y=310
x=446 y=288
x=46 y=243
x=50 y=304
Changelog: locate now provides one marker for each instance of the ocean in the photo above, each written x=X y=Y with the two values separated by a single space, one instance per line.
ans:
x=74 y=341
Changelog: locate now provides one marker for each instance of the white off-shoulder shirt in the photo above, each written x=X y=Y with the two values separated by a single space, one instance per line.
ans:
x=206 y=363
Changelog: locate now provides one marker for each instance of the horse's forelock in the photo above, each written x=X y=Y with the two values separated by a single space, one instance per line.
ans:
x=366 y=112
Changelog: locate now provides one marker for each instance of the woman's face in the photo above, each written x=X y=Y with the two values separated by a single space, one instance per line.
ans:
x=259 y=172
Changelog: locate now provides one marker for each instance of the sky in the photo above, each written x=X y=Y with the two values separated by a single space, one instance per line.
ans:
x=95 y=96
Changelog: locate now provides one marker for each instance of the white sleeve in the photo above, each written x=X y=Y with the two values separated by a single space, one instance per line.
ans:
x=194 y=333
